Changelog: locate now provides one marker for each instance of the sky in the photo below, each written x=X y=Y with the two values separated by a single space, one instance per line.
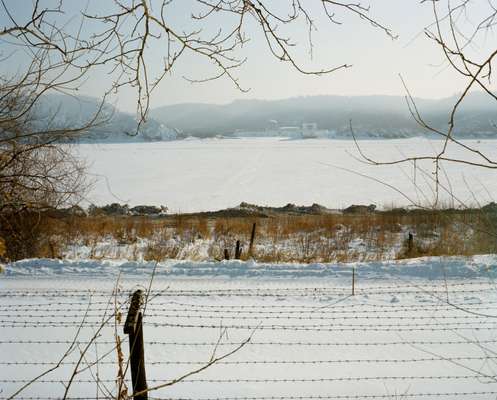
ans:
x=377 y=60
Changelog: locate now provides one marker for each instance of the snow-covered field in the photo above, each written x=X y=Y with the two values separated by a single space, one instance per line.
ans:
x=200 y=175
x=422 y=328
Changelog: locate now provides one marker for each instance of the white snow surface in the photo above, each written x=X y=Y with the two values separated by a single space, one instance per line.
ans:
x=205 y=175
x=422 y=328
x=456 y=267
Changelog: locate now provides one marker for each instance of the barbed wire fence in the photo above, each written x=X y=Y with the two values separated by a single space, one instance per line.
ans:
x=403 y=340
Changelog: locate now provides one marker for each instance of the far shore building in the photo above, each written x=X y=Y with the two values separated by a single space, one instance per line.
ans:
x=308 y=130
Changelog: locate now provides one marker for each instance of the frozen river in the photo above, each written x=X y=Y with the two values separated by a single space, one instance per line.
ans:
x=200 y=175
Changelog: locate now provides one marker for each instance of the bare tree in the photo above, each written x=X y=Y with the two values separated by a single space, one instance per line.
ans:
x=123 y=33
x=122 y=36
x=58 y=44
x=456 y=34
x=37 y=173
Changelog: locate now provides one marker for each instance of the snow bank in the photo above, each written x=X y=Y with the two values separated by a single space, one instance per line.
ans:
x=425 y=267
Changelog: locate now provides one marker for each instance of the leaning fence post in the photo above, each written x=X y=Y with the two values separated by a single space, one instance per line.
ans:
x=252 y=238
x=133 y=327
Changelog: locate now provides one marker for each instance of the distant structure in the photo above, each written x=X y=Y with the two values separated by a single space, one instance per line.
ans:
x=289 y=131
x=272 y=125
x=309 y=130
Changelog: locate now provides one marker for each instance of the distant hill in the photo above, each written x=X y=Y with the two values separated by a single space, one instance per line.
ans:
x=57 y=111
x=372 y=116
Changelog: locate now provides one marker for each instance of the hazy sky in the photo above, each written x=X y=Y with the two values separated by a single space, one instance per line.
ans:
x=377 y=60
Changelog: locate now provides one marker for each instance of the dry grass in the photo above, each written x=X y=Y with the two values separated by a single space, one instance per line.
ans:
x=285 y=238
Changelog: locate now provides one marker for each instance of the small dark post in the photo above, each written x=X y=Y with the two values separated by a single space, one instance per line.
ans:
x=134 y=328
x=252 y=239
x=410 y=243
x=353 y=281
x=238 y=250
x=226 y=254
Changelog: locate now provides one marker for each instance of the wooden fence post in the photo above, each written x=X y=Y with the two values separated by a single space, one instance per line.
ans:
x=238 y=250
x=252 y=238
x=133 y=327
x=410 y=243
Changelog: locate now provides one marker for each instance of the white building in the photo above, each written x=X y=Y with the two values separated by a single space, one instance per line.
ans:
x=309 y=130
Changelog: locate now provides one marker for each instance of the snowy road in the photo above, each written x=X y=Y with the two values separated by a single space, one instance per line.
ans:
x=401 y=336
